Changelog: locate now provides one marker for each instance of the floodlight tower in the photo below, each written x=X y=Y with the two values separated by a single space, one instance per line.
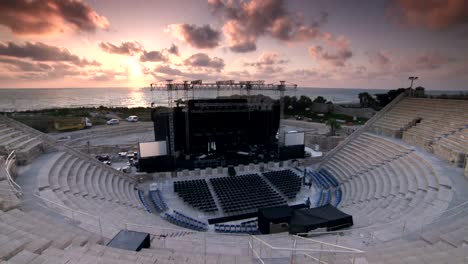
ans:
x=412 y=78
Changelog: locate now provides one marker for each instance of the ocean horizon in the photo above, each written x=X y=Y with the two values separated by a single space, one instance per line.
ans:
x=24 y=99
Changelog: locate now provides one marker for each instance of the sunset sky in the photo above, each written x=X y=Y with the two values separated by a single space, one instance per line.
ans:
x=314 y=43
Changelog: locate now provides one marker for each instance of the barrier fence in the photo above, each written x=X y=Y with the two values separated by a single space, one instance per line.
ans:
x=369 y=234
x=266 y=249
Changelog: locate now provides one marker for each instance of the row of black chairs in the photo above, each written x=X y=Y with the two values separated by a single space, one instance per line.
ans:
x=286 y=181
x=197 y=194
x=245 y=193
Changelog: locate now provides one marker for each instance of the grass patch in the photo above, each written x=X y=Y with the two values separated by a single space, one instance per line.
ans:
x=43 y=120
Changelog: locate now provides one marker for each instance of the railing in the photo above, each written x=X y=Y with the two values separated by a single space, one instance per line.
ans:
x=195 y=241
x=10 y=160
x=368 y=233
x=257 y=247
x=75 y=216
x=52 y=142
x=310 y=249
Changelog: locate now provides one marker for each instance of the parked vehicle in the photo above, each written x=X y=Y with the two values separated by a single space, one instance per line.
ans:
x=126 y=169
x=132 y=119
x=72 y=123
x=113 y=121
x=103 y=157
x=88 y=123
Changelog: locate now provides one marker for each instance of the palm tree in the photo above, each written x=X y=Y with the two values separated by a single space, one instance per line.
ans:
x=334 y=126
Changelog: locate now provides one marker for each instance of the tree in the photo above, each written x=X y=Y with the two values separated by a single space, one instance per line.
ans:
x=320 y=99
x=386 y=98
x=303 y=103
x=366 y=100
x=334 y=126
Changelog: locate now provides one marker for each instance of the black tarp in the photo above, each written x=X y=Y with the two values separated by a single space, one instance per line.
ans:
x=327 y=216
x=229 y=218
x=130 y=240
x=276 y=215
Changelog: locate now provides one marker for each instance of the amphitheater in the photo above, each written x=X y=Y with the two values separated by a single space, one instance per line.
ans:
x=402 y=176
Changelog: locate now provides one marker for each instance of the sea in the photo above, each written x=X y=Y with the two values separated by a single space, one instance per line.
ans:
x=47 y=98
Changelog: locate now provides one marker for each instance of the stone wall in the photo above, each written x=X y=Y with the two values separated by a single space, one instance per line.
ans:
x=325 y=143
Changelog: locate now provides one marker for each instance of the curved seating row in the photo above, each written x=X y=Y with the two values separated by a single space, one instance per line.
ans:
x=423 y=122
x=26 y=145
x=145 y=203
x=182 y=220
x=33 y=232
x=158 y=201
x=74 y=183
x=236 y=229
x=382 y=180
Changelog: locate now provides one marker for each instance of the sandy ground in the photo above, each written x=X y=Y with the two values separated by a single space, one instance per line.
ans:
x=101 y=129
x=126 y=139
x=124 y=135
x=304 y=126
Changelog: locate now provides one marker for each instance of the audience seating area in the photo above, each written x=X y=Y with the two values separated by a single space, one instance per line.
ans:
x=197 y=194
x=158 y=201
x=285 y=181
x=236 y=229
x=182 y=220
x=246 y=227
x=374 y=178
x=24 y=235
x=382 y=180
x=145 y=203
x=444 y=241
x=245 y=193
x=328 y=187
x=26 y=145
x=72 y=182
x=423 y=122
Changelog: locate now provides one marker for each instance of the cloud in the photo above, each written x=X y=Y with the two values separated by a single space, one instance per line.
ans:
x=42 y=52
x=26 y=17
x=19 y=69
x=203 y=37
x=165 y=69
x=338 y=58
x=152 y=56
x=433 y=14
x=267 y=58
x=379 y=58
x=180 y=75
x=126 y=48
x=245 y=22
x=202 y=60
x=14 y=64
x=105 y=75
x=432 y=60
x=173 y=49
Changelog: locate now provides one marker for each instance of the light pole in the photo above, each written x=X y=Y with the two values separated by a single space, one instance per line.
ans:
x=412 y=78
